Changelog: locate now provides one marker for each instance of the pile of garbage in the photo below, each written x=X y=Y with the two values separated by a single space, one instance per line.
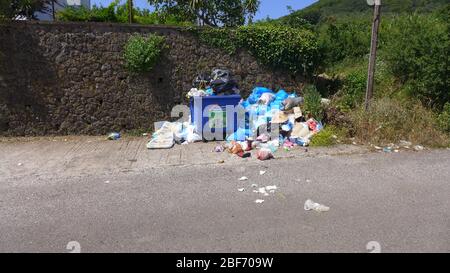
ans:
x=273 y=120
x=219 y=83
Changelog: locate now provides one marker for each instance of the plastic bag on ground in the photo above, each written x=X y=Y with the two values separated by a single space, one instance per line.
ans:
x=192 y=136
x=311 y=205
x=240 y=135
x=163 y=138
x=264 y=154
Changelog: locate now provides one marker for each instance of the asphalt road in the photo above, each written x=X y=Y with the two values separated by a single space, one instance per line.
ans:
x=401 y=201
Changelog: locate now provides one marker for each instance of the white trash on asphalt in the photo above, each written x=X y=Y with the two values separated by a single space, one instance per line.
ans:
x=262 y=172
x=241 y=189
x=243 y=178
x=259 y=201
x=266 y=190
x=311 y=205
x=419 y=148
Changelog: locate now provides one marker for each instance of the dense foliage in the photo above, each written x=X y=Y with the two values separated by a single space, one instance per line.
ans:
x=117 y=13
x=280 y=47
x=13 y=9
x=210 y=12
x=142 y=53
x=324 y=9
x=417 y=49
x=292 y=49
x=344 y=39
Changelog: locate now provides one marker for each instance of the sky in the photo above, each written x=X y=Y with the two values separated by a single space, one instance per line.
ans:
x=272 y=8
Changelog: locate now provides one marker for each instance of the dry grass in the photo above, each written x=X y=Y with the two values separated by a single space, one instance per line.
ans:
x=389 y=121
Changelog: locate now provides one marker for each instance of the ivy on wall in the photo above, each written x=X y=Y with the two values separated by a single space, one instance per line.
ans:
x=280 y=47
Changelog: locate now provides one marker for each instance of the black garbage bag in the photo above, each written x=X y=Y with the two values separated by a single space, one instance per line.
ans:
x=223 y=83
x=202 y=81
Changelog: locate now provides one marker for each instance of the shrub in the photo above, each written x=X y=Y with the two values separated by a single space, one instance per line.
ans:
x=313 y=102
x=444 y=118
x=389 y=121
x=293 y=49
x=142 y=53
x=280 y=47
x=417 y=49
x=344 y=39
x=326 y=137
x=353 y=90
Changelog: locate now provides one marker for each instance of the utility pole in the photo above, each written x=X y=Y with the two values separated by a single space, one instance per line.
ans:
x=130 y=11
x=53 y=10
x=373 y=50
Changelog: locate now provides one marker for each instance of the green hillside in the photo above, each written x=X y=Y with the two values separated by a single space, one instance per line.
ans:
x=337 y=8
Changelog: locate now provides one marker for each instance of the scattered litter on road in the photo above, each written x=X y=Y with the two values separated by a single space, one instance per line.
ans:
x=219 y=149
x=113 y=136
x=259 y=201
x=107 y=182
x=260 y=190
x=145 y=134
x=378 y=148
x=387 y=150
x=265 y=190
x=254 y=185
x=419 y=148
x=264 y=154
x=311 y=205
x=404 y=143
x=244 y=155
x=262 y=172
x=19 y=164
x=241 y=189
x=308 y=181
x=243 y=178
x=221 y=161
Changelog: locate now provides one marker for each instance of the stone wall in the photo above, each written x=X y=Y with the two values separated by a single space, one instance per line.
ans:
x=68 y=78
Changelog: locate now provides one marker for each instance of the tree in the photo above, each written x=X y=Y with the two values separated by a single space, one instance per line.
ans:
x=210 y=12
x=13 y=9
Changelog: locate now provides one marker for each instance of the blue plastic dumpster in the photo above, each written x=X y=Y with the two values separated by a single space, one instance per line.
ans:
x=215 y=116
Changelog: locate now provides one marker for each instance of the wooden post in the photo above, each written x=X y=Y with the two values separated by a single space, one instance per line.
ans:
x=373 y=52
x=130 y=11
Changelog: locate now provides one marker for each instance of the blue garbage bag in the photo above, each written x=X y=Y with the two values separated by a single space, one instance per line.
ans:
x=256 y=94
x=240 y=135
x=281 y=95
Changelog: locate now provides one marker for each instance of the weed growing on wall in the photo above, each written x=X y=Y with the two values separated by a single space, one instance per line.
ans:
x=142 y=53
